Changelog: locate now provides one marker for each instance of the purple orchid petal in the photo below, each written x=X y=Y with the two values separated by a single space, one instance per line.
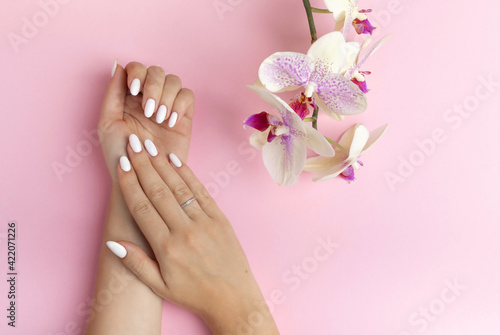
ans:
x=360 y=163
x=284 y=70
x=271 y=136
x=363 y=27
x=301 y=106
x=361 y=84
x=348 y=174
x=258 y=121
x=341 y=96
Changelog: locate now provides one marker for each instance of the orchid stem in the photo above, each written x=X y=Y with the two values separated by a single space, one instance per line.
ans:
x=312 y=27
x=315 y=118
x=319 y=10
x=337 y=145
x=310 y=119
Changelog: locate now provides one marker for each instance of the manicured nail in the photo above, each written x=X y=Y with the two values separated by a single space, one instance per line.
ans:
x=151 y=148
x=161 y=114
x=135 y=87
x=118 y=249
x=114 y=68
x=135 y=143
x=125 y=163
x=150 y=107
x=173 y=119
x=175 y=160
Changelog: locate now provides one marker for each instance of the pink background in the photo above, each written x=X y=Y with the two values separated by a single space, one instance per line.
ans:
x=397 y=246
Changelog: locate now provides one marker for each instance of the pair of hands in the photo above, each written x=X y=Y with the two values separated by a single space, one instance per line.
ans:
x=198 y=262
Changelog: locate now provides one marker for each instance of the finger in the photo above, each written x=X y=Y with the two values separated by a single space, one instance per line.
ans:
x=136 y=75
x=153 y=88
x=138 y=262
x=203 y=197
x=114 y=101
x=183 y=106
x=147 y=218
x=158 y=193
x=171 y=88
x=181 y=192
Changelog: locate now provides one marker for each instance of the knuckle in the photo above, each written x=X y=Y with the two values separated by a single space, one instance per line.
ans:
x=143 y=208
x=203 y=195
x=158 y=193
x=156 y=70
x=181 y=191
x=137 y=267
x=174 y=79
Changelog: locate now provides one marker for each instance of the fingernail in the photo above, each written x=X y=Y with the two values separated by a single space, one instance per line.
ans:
x=118 y=249
x=135 y=143
x=135 y=87
x=173 y=119
x=175 y=160
x=151 y=148
x=150 y=107
x=114 y=68
x=125 y=163
x=161 y=114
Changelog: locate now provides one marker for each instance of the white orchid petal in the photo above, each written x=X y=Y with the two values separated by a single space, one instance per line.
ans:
x=284 y=159
x=330 y=174
x=285 y=71
x=258 y=139
x=328 y=53
x=358 y=141
x=341 y=96
x=371 y=51
x=321 y=164
x=374 y=136
x=353 y=50
x=317 y=142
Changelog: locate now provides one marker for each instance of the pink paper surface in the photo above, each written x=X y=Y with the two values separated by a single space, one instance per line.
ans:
x=416 y=254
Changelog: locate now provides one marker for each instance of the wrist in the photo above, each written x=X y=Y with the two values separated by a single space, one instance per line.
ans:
x=235 y=316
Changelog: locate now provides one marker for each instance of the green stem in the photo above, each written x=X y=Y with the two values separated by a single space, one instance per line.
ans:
x=315 y=118
x=309 y=119
x=337 y=145
x=319 y=10
x=312 y=27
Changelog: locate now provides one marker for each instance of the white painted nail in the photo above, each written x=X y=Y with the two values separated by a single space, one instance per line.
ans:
x=135 y=87
x=118 y=249
x=175 y=160
x=125 y=163
x=161 y=114
x=135 y=143
x=150 y=107
x=173 y=119
x=114 y=68
x=151 y=148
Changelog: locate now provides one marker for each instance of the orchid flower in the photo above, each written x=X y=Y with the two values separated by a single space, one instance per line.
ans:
x=346 y=13
x=354 y=142
x=319 y=73
x=283 y=140
x=354 y=61
x=300 y=105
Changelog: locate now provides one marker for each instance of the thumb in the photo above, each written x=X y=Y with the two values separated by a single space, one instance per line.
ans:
x=139 y=263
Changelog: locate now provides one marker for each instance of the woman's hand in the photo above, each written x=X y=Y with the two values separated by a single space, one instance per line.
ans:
x=146 y=102
x=199 y=264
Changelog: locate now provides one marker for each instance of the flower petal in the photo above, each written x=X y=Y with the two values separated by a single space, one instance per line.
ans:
x=341 y=96
x=317 y=142
x=338 y=8
x=353 y=49
x=259 y=139
x=285 y=71
x=329 y=55
x=284 y=159
x=258 y=121
x=320 y=164
x=374 y=136
x=371 y=51
x=355 y=139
